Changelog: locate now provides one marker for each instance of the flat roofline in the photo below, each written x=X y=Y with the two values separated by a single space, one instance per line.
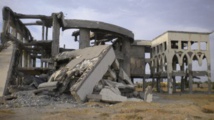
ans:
x=187 y=32
x=142 y=42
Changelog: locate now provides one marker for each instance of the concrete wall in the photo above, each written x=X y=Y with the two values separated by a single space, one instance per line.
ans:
x=137 y=55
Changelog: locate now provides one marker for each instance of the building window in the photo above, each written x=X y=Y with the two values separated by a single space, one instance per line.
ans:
x=174 y=44
x=184 y=45
x=161 y=47
x=194 y=45
x=165 y=46
x=203 y=45
x=157 y=47
x=147 y=55
x=154 y=52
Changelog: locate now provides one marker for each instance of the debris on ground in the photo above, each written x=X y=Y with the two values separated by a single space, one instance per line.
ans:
x=89 y=74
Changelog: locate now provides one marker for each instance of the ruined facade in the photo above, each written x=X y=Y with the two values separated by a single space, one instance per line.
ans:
x=174 y=49
x=167 y=50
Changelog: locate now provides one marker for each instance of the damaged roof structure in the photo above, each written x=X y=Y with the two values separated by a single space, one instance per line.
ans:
x=96 y=70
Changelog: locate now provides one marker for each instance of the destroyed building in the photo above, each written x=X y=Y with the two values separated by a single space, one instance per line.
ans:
x=95 y=66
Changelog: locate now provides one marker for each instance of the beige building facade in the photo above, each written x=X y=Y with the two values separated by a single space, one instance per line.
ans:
x=173 y=53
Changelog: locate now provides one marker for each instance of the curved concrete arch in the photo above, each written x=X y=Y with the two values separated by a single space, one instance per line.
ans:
x=97 y=25
x=187 y=56
x=176 y=57
x=157 y=64
x=161 y=63
x=164 y=58
x=193 y=55
x=198 y=59
x=179 y=59
x=204 y=55
x=159 y=59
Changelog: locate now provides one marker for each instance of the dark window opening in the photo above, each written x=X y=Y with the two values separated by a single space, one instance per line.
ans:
x=174 y=44
x=184 y=45
x=165 y=47
x=161 y=47
x=157 y=49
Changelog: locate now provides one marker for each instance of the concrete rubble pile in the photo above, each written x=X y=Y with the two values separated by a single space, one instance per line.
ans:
x=89 y=74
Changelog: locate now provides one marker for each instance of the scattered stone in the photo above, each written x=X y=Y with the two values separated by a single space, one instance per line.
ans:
x=110 y=96
x=148 y=94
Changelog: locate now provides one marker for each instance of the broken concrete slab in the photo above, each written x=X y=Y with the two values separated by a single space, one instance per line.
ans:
x=149 y=97
x=54 y=84
x=113 y=89
x=98 y=87
x=122 y=87
x=112 y=74
x=6 y=59
x=125 y=77
x=90 y=78
x=116 y=65
x=111 y=97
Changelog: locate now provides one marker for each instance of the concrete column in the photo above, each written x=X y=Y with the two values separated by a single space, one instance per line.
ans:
x=209 y=67
x=199 y=45
x=21 y=54
x=20 y=60
x=190 y=77
x=55 y=35
x=158 y=85
x=182 y=79
x=126 y=52
x=209 y=78
x=144 y=84
x=5 y=26
x=43 y=32
x=153 y=81
x=84 y=40
x=28 y=60
x=209 y=82
x=179 y=45
x=174 y=80
x=33 y=62
x=169 y=76
x=174 y=84
x=189 y=45
x=41 y=64
x=24 y=58
x=46 y=36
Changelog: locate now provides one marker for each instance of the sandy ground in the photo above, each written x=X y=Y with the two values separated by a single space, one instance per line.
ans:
x=176 y=107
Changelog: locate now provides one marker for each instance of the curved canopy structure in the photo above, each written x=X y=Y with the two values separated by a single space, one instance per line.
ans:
x=97 y=25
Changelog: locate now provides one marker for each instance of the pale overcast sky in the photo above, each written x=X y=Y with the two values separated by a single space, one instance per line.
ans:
x=145 y=18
